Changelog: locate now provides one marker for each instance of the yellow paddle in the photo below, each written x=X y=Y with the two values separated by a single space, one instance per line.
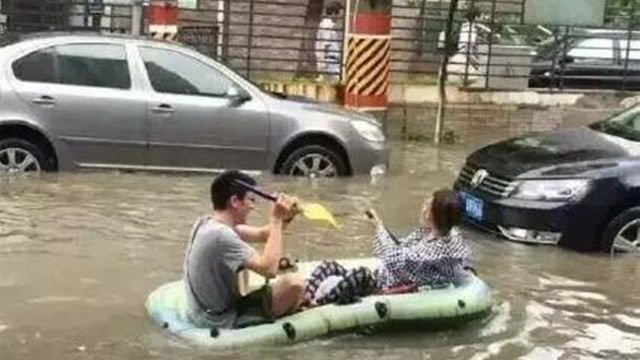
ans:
x=311 y=211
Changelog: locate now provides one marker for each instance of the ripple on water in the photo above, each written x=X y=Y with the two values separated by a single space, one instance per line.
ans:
x=604 y=340
x=556 y=281
x=543 y=353
x=13 y=240
x=499 y=322
x=54 y=299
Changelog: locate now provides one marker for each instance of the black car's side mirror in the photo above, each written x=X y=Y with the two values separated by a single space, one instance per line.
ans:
x=237 y=96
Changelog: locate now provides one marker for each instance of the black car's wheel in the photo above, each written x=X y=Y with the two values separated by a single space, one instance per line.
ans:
x=314 y=161
x=21 y=157
x=623 y=233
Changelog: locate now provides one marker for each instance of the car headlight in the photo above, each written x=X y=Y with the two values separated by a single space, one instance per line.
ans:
x=367 y=130
x=551 y=190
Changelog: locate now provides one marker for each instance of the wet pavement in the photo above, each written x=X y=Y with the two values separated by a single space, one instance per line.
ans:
x=79 y=252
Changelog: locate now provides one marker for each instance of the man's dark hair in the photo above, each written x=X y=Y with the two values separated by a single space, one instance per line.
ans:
x=224 y=187
x=445 y=210
x=334 y=8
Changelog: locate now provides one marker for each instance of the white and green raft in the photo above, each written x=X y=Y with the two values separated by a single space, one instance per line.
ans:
x=428 y=309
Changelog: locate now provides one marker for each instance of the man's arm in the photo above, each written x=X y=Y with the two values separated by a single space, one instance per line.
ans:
x=260 y=234
x=250 y=233
x=266 y=263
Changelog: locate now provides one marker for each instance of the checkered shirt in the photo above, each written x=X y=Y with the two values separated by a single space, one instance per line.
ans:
x=421 y=258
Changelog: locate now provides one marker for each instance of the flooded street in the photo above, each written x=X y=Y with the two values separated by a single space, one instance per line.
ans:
x=80 y=252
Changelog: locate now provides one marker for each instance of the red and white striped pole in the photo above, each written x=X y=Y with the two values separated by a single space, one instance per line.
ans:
x=368 y=60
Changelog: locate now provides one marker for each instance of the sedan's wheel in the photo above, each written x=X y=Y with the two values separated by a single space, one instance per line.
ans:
x=314 y=161
x=314 y=165
x=623 y=233
x=628 y=238
x=20 y=157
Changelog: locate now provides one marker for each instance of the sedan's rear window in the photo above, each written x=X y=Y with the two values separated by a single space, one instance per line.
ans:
x=96 y=65
x=93 y=65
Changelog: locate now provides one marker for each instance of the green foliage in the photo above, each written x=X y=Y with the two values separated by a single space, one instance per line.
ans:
x=619 y=13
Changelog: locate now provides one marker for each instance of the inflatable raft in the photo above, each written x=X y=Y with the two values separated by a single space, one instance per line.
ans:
x=449 y=306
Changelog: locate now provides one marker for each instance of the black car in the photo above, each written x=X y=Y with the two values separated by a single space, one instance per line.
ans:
x=578 y=188
x=611 y=62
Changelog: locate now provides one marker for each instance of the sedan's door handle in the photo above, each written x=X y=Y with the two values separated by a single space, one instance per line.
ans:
x=163 y=109
x=44 y=100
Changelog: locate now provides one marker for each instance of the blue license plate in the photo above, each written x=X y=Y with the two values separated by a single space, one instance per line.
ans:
x=473 y=207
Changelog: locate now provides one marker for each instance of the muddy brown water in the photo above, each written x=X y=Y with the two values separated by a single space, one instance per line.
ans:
x=79 y=252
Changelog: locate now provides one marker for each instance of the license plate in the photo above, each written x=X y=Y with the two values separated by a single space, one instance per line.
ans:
x=473 y=207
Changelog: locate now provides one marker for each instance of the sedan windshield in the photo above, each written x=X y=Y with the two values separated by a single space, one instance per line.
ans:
x=625 y=124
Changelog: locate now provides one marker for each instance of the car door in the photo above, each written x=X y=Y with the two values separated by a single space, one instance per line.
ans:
x=592 y=63
x=83 y=93
x=194 y=122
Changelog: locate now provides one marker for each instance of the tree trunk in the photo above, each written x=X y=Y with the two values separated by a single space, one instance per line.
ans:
x=307 y=56
x=449 y=49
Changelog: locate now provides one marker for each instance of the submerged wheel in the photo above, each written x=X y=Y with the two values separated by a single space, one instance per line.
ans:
x=623 y=233
x=21 y=157
x=314 y=161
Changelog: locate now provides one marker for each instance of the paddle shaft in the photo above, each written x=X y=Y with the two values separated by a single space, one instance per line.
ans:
x=310 y=211
x=256 y=191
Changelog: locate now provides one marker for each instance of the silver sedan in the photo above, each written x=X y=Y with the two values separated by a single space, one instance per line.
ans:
x=92 y=101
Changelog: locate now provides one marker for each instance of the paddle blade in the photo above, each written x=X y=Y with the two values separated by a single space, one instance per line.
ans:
x=319 y=213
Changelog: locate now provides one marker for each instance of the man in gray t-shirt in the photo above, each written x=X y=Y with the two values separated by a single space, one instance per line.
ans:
x=218 y=250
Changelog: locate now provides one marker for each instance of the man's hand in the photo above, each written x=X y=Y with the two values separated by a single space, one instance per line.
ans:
x=282 y=207
x=295 y=209
x=266 y=263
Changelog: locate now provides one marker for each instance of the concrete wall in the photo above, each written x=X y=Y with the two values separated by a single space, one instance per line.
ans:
x=483 y=123
x=262 y=44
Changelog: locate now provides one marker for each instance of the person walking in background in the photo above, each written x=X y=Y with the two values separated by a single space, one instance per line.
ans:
x=328 y=44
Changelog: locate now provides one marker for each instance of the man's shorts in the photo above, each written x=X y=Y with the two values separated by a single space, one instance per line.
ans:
x=255 y=308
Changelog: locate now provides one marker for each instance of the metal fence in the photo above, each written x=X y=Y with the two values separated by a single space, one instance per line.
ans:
x=278 y=39
x=495 y=50
x=66 y=15
x=269 y=38
x=260 y=38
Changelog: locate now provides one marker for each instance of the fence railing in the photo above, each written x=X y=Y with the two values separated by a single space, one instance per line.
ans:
x=277 y=39
x=496 y=50
x=65 y=15
x=268 y=38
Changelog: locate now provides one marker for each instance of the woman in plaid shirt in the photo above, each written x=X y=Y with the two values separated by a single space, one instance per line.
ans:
x=435 y=253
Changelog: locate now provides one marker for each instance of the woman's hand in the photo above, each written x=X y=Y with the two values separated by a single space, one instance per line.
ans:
x=372 y=215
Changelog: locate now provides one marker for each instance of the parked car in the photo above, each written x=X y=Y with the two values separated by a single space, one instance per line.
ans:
x=117 y=102
x=579 y=188
x=606 y=60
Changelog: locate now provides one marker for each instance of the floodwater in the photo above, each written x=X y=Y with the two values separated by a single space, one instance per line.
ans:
x=79 y=252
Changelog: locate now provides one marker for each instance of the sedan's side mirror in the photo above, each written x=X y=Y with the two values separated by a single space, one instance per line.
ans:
x=232 y=91
x=237 y=96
